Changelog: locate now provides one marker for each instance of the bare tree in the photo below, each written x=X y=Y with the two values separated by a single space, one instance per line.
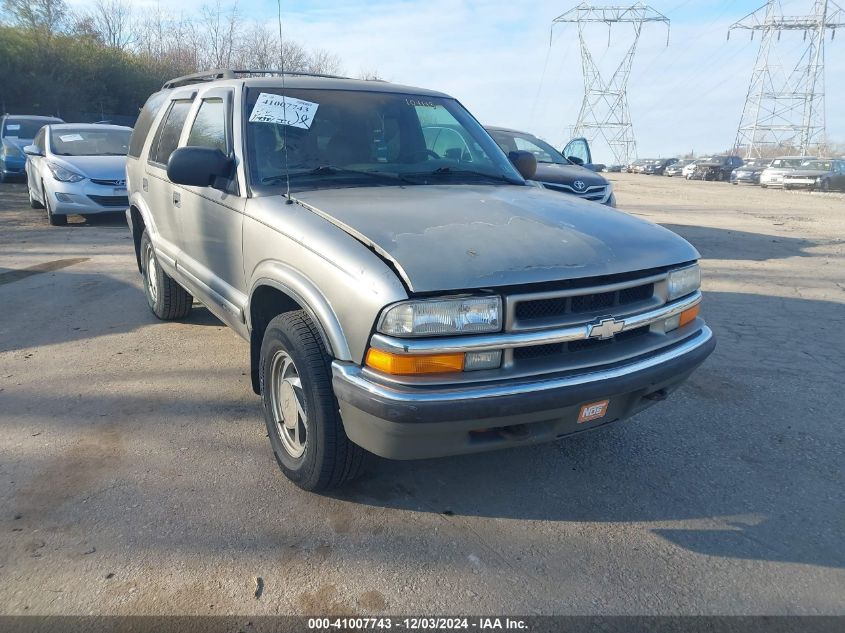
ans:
x=112 y=21
x=221 y=28
x=48 y=16
x=323 y=62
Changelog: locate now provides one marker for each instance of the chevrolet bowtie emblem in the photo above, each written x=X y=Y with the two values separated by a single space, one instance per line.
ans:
x=605 y=328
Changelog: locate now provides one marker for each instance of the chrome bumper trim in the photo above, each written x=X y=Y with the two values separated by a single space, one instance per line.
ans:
x=510 y=340
x=355 y=376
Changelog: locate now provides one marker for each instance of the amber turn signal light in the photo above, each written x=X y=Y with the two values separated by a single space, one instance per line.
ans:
x=409 y=365
x=689 y=315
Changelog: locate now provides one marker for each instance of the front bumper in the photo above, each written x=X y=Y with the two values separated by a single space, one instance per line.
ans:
x=751 y=179
x=13 y=167
x=799 y=183
x=400 y=422
x=86 y=197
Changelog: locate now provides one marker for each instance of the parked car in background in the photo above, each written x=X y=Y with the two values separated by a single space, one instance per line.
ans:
x=749 y=172
x=676 y=168
x=717 y=168
x=633 y=166
x=554 y=171
x=657 y=166
x=817 y=175
x=16 y=132
x=689 y=169
x=397 y=300
x=614 y=169
x=78 y=168
x=773 y=175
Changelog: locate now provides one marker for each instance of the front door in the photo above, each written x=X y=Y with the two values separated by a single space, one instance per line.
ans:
x=211 y=218
x=578 y=151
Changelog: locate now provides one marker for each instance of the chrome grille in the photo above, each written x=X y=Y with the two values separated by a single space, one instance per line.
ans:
x=539 y=309
x=596 y=193
x=544 y=351
x=109 y=183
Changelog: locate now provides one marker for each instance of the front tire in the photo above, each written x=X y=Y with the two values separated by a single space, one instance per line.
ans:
x=166 y=298
x=33 y=203
x=54 y=220
x=300 y=409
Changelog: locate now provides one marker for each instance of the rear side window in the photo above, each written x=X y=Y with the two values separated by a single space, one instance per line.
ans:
x=209 y=128
x=145 y=121
x=170 y=131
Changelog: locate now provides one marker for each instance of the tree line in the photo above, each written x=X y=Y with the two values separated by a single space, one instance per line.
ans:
x=103 y=61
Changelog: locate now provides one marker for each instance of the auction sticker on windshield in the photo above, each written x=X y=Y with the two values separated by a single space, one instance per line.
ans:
x=273 y=108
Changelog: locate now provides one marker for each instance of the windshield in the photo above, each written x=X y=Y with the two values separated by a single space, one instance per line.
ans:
x=787 y=162
x=543 y=152
x=24 y=128
x=89 y=142
x=340 y=138
x=820 y=165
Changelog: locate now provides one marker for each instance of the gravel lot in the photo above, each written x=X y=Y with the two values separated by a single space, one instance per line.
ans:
x=137 y=478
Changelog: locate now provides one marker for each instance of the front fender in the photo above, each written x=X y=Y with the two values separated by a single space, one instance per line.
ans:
x=302 y=290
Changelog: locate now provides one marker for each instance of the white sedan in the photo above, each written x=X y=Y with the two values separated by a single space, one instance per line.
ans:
x=78 y=168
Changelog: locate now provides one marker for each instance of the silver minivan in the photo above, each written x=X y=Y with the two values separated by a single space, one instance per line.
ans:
x=399 y=299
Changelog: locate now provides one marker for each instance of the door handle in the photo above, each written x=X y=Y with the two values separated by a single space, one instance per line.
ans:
x=177 y=199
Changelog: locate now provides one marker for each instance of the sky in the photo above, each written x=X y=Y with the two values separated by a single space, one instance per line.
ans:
x=496 y=57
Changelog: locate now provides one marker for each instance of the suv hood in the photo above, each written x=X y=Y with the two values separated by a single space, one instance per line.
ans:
x=461 y=237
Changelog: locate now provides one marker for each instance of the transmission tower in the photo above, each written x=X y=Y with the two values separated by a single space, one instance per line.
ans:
x=604 y=110
x=784 y=109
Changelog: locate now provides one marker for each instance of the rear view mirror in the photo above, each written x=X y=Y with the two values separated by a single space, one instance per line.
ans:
x=198 y=167
x=32 y=150
x=525 y=163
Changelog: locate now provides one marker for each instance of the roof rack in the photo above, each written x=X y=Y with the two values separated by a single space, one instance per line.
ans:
x=228 y=73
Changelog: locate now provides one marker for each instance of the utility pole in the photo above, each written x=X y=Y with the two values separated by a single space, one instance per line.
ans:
x=784 y=108
x=604 y=110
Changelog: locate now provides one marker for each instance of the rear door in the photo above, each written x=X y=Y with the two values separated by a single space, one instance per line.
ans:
x=160 y=191
x=211 y=218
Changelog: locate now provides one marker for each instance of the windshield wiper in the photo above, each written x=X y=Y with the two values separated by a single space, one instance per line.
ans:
x=330 y=170
x=448 y=171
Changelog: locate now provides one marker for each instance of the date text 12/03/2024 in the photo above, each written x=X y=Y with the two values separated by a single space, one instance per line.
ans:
x=418 y=624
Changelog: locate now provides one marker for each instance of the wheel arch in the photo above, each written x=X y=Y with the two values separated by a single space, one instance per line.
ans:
x=278 y=290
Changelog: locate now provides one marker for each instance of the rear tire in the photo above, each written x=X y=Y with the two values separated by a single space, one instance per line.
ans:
x=300 y=409
x=166 y=298
x=54 y=220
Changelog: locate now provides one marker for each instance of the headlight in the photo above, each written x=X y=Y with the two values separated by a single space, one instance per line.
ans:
x=443 y=317
x=684 y=281
x=64 y=175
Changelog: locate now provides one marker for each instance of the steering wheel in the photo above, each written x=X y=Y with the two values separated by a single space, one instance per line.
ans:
x=419 y=152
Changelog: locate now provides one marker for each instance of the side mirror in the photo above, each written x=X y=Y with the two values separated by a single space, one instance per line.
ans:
x=525 y=163
x=32 y=150
x=575 y=160
x=198 y=166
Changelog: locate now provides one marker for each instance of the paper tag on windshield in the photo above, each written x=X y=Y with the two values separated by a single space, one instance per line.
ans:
x=13 y=126
x=272 y=108
x=69 y=138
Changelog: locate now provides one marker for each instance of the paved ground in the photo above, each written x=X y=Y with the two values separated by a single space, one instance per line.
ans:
x=135 y=475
